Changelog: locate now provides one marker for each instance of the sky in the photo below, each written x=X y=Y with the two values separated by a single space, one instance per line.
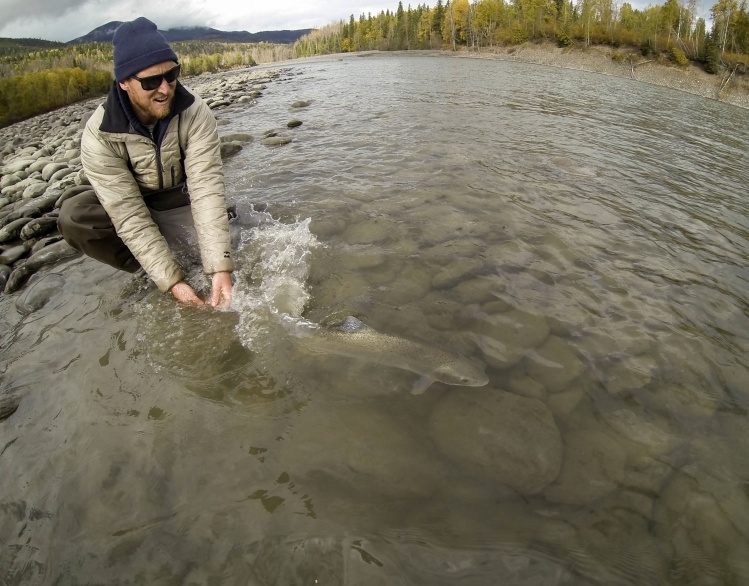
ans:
x=65 y=20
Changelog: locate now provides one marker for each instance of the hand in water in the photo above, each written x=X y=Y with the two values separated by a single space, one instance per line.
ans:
x=221 y=290
x=185 y=294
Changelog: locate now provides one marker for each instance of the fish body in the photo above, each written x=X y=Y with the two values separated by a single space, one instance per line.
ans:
x=357 y=340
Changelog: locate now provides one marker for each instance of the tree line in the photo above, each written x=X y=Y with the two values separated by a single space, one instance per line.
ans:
x=672 y=28
x=38 y=76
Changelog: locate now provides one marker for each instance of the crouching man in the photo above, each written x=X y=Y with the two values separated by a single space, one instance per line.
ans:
x=152 y=155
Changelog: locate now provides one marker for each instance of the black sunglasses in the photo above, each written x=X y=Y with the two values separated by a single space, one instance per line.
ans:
x=152 y=82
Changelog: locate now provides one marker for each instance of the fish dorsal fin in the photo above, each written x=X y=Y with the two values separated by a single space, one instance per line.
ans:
x=351 y=324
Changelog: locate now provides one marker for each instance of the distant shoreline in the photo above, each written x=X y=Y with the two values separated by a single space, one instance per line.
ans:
x=691 y=79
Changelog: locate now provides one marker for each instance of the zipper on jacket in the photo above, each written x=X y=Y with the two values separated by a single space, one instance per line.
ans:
x=159 y=166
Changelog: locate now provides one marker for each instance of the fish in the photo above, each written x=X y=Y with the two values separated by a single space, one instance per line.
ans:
x=357 y=340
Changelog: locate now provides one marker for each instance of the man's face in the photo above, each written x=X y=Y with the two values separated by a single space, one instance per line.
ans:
x=151 y=106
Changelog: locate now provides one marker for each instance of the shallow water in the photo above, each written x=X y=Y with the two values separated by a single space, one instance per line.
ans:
x=584 y=237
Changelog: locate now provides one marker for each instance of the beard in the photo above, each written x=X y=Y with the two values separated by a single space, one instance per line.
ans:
x=152 y=107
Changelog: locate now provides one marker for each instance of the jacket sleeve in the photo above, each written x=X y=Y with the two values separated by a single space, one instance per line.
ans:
x=106 y=168
x=205 y=182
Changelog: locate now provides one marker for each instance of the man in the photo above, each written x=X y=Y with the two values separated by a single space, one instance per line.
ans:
x=152 y=155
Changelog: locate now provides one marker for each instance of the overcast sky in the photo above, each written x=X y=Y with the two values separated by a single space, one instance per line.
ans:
x=65 y=20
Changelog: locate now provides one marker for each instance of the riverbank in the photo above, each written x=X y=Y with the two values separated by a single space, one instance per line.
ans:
x=623 y=63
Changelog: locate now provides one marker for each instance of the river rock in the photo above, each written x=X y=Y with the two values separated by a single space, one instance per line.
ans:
x=38 y=165
x=229 y=149
x=12 y=254
x=294 y=123
x=593 y=466
x=8 y=405
x=51 y=254
x=4 y=275
x=631 y=374
x=39 y=292
x=34 y=190
x=455 y=272
x=301 y=104
x=496 y=435
x=9 y=180
x=554 y=365
x=277 y=140
x=704 y=516
x=61 y=174
x=20 y=164
x=17 y=278
x=505 y=338
x=364 y=450
x=12 y=230
x=51 y=169
x=240 y=137
x=19 y=213
x=44 y=242
x=71 y=192
x=46 y=202
x=39 y=227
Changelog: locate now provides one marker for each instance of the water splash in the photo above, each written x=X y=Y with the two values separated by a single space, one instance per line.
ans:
x=271 y=281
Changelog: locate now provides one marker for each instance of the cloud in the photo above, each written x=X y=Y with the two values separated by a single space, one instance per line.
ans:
x=12 y=11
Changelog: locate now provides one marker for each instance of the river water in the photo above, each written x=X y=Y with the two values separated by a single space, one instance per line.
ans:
x=583 y=238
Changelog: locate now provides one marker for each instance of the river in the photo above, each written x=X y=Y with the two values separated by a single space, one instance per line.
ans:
x=582 y=238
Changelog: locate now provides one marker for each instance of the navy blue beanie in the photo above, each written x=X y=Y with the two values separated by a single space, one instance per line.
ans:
x=138 y=45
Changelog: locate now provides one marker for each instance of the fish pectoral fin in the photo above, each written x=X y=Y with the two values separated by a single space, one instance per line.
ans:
x=422 y=384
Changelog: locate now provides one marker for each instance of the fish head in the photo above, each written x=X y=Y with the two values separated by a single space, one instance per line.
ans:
x=462 y=373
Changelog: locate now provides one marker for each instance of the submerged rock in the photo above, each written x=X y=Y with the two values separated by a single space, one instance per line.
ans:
x=8 y=405
x=554 y=365
x=277 y=140
x=496 y=435
x=4 y=274
x=39 y=293
x=593 y=467
x=505 y=338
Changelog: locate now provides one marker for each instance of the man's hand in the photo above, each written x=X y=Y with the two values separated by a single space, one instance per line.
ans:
x=221 y=289
x=185 y=294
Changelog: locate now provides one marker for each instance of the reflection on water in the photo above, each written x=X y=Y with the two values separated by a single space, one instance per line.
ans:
x=588 y=248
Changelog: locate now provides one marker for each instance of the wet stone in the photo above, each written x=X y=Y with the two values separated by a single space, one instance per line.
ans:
x=294 y=123
x=455 y=272
x=8 y=405
x=554 y=365
x=277 y=140
x=496 y=435
x=229 y=149
x=38 y=292
x=51 y=169
x=34 y=190
x=593 y=466
x=632 y=374
x=240 y=137
x=505 y=338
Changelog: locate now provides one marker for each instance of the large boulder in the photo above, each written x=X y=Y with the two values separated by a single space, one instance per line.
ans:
x=495 y=435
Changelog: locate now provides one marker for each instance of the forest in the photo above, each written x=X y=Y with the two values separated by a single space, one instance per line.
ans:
x=672 y=30
x=40 y=76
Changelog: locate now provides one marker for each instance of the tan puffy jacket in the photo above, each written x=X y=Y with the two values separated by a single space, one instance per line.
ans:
x=123 y=165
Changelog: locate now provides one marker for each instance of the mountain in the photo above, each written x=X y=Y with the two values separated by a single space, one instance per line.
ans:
x=105 y=32
x=24 y=46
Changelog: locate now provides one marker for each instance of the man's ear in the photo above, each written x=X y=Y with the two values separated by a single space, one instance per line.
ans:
x=124 y=85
